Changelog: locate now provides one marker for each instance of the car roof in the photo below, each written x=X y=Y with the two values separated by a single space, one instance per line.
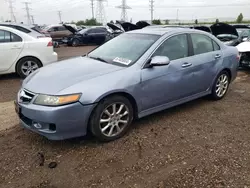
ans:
x=163 y=31
x=16 y=24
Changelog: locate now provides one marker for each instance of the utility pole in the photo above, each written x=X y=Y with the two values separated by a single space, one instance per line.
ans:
x=32 y=19
x=12 y=16
x=100 y=12
x=92 y=8
x=60 y=16
x=124 y=8
x=27 y=12
x=151 y=2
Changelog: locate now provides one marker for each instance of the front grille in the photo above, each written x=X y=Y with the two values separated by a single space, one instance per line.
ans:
x=25 y=96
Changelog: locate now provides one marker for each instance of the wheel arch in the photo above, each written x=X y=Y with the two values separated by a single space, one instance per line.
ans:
x=228 y=71
x=27 y=57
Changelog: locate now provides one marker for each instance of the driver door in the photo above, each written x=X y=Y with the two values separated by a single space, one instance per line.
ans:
x=169 y=83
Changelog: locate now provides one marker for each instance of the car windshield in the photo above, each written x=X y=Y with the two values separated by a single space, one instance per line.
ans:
x=82 y=31
x=125 y=49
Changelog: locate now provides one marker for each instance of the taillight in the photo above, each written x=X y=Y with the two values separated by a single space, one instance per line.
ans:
x=50 y=43
x=238 y=56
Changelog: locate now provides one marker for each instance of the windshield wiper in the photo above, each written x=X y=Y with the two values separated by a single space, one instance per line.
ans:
x=98 y=58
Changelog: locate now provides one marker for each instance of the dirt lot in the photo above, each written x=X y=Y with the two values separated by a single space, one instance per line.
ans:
x=199 y=144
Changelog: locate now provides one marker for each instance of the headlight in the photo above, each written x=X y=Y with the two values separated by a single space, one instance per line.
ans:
x=47 y=100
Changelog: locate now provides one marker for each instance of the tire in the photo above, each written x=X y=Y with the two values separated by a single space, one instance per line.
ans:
x=223 y=85
x=110 y=124
x=75 y=42
x=28 y=63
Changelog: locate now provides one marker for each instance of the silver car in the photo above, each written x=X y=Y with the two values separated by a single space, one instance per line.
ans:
x=131 y=76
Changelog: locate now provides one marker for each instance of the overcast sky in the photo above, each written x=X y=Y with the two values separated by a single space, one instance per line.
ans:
x=45 y=11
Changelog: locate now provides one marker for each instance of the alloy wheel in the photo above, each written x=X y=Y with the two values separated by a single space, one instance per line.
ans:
x=28 y=67
x=222 y=85
x=114 y=119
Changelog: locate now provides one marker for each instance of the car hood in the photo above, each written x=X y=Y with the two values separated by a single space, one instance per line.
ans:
x=70 y=28
x=58 y=76
x=223 y=28
x=202 y=28
x=142 y=24
x=127 y=26
x=114 y=27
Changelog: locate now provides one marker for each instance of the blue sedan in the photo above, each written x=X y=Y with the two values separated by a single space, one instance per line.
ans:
x=131 y=76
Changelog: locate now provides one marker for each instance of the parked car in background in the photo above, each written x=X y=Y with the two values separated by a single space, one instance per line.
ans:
x=32 y=30
x=225 y=33
x=58 y=32
x=133 y=75
x=244 y=50
x=93 y=35
x=22 y=53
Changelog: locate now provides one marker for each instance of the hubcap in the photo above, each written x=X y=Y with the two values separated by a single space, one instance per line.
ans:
x=29 y=67
x=114 y=119
x=222 y=85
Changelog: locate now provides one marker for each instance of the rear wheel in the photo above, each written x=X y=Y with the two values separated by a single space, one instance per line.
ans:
x=111 y=118
x=27 y=65
x=221 y=85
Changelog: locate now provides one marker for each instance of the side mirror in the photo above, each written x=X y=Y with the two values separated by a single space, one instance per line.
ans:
x=159 y=61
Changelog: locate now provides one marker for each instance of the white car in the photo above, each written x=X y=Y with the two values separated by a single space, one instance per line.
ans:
x=22 y=53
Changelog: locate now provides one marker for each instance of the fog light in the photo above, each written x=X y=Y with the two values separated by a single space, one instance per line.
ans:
x=37 y=125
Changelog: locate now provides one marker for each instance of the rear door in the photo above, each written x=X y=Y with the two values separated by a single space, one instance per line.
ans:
x=206 y=58
x=11 y=46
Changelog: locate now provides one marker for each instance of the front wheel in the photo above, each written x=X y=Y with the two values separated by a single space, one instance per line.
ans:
x=111 y=118
x=75 y=42
x=221 y=85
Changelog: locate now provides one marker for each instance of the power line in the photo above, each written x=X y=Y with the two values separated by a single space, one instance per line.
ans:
x=60 y=16
x=12 y=15
x=28 y=12
x=92 y=8
x=151 y=2
x=124 y=8
x=100 y=12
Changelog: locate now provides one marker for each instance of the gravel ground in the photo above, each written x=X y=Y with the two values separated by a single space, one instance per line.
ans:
x=199 y=144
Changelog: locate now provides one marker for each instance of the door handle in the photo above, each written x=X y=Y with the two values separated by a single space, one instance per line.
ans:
x=217 y=56
x=184 y=65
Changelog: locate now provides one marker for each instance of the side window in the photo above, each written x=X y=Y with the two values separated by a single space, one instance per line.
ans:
x=174 y=48
x=62 y=28
x=54 y=29
x=216 y=46
x=4 y=36
x=15 y=38
x=91 y=31
x=201 y=43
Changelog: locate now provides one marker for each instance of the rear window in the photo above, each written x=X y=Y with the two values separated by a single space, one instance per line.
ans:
x=37 y=29
x=17 y=27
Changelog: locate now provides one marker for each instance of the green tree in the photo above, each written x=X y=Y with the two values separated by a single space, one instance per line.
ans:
x=239 y=18
x=196 y=21
x=156 y=22
x=92 y=22
x=80 y=22
x=217 y=20
x=167 y=22
x=72 y=22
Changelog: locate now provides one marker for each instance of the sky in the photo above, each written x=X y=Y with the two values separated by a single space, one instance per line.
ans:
x=46 y=11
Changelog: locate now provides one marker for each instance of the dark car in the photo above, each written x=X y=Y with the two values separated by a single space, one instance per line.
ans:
x=231 y=35
x=94 y=35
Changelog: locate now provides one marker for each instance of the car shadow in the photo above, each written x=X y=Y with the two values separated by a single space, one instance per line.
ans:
x=90 y=142
x=9 y=77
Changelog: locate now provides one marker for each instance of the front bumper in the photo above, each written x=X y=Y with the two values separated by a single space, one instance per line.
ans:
x=55 y=123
